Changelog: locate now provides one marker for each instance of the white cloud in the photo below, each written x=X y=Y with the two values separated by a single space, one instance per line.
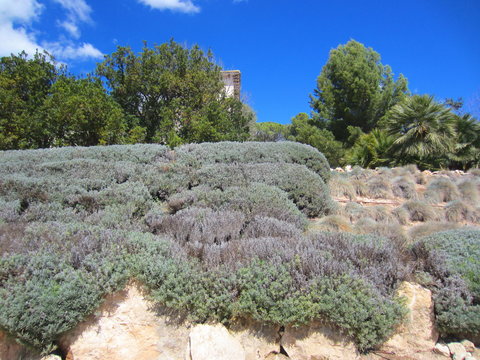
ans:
x=78 y=11
x=71 y=51
x=16 y=33
x=185 y=6
x=71 y=28
x=19 y=10
x=15 y=17
x=15 y=40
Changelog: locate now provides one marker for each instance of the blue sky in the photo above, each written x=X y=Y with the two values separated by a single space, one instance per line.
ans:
x=280 y=46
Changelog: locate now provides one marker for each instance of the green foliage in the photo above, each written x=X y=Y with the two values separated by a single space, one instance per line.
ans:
x=371 y=150
x=354 y=89
x=424 y=131
x=176 y=94
x=79 y=112
x=24 y=85
x=270 y=131
x=304 y=131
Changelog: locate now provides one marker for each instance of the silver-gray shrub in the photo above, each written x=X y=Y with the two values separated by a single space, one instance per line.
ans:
x=305 y=188
x=253 y=200
x=198 y=155
x=200 y=225
x=138 y=153
x=262 y=226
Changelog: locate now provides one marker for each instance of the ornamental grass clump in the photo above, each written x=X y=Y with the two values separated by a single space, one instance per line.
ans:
x=460 y=211
x=340 y=186
x=441 y=190
x=469 y=189
x=404 y=187
x=419 y=211
x=379 y=187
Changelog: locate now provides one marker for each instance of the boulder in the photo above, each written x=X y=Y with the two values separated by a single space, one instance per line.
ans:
x=126 y=327
x=209 y=342
x=51 y=357
x=442 y=349
x=258 y=340
x=457 y=351
x=417 y=335
x=468 y=345
x=317 y=341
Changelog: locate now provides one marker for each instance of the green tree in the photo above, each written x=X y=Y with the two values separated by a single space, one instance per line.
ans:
x=270 y=131
x=176 y=94
x=424 y=131
x=24 y=85
x=371 y=150
x=304 y=131
x=354 y=89
x=79 y=112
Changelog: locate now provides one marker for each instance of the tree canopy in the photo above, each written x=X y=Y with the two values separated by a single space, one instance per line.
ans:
x=175 y=93
x=354 y=88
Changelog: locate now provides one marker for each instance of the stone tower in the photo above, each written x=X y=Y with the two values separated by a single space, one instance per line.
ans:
x=232 y=81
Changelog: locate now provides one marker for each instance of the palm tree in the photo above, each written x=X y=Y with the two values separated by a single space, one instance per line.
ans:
x=467 y=149
x=371 y=150
x=424 y=131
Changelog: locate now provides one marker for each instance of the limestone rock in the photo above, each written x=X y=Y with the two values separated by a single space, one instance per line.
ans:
x=126 y=327
x=317 y=341
x=257 y=340
x=468 y=345
x=457 y=351
x=208 y=342
x=442 y=349
x=418 y=335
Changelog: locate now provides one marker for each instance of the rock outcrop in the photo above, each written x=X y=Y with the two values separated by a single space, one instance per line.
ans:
x=213 y=342
x=126 y=327
x=418 y=335
x=317 y=341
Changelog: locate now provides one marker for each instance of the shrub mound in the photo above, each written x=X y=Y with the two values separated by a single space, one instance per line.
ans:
x=216 y=232
x=198 y=155
x=453 y=258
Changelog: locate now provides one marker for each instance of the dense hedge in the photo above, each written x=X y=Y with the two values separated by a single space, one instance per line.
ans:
x=198 y=155
x=212 y=240
x=305 y=188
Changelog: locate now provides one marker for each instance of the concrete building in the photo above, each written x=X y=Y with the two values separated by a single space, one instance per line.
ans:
x=232 y=81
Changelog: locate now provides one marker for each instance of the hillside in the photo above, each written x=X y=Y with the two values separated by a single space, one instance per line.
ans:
x=222 y=231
